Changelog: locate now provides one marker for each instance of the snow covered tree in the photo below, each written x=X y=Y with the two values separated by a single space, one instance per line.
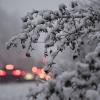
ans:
x=63 y=28
x=81 y=84
x=76 y=28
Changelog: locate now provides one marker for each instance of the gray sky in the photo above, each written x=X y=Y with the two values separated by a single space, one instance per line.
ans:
x=22 y=6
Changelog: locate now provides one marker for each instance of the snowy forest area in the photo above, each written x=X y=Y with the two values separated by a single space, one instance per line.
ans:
x=76 y=29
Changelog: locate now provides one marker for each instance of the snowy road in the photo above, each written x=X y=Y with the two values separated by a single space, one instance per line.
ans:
x=15 y=91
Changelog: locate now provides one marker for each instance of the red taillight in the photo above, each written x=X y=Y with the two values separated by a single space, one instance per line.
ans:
x=41 y=73
x=34 y=70
x=17 y=73
x=9 y=67
x=3 y=73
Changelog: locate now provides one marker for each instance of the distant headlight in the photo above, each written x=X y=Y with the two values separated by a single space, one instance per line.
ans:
x=29 y=76
x=9 y=67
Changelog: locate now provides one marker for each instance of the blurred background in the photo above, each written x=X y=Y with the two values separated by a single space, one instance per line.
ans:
x=11 y=12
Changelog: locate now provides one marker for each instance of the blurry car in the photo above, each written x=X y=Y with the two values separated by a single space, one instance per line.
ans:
x=11 y=74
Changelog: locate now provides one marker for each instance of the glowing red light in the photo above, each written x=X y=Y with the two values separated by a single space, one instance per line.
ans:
x=34 y=70
x=9 y=67
x=2 y=73
x=38 y=71
x=17 y=73
x=41 y=73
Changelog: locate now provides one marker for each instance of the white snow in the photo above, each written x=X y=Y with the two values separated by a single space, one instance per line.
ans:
x=15 y=91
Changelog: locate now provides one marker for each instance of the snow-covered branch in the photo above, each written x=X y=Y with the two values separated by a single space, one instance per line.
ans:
x=63 y=28
x=81 y=84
